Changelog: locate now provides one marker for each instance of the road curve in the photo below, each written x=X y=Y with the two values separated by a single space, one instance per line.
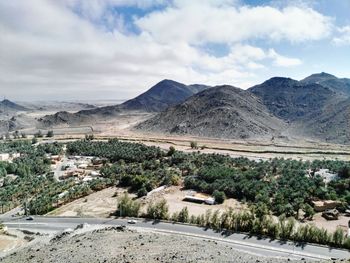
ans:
x=250 y=244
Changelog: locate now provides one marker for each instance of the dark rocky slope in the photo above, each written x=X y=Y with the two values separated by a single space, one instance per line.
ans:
x=223 y=111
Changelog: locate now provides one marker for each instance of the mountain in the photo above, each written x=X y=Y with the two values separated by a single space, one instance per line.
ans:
x=331 y=125
x=292 y=100
x=339 y=85
x=164 y=94
x=7 y=105
x=80 y=117
x=222 y=111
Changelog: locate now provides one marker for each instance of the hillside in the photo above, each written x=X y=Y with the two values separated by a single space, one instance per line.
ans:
x=292 y=100
x=332 y=125
x=339 y=85
x=164 y=94
x=222 y=111
x=116 y=244
x=9 y=106
x=80 y=117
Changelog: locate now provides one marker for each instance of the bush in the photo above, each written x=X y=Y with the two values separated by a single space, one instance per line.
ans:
x=128 y=207
x=39 y=134
x=171 y=151
x=142 y=192
x=219 y=196
x=338 y=237
x=158 y=210
x=183 y=215
x=194 y=145
x=49 y=134
x=309 y=211
x=34 y=140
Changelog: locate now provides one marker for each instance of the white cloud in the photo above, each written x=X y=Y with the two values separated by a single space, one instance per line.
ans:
x=343 y=37
x=198 y=23
x=48 y=51
x=283 y=61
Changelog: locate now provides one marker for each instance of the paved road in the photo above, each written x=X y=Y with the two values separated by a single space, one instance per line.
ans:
x=265 y=247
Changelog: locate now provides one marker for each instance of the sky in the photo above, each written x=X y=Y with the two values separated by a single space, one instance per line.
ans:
x=117 y=49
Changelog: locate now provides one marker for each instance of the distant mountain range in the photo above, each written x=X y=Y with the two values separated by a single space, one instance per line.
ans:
x=316 y=107
x=159 y=97
x=7 y=120
x=9 y=106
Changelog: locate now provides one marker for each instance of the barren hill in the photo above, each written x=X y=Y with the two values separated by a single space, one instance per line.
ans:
x=339 y=85
x=331 y=125
x=292 y=100
x=9 y=106
x=164 y=94
x=222 y=111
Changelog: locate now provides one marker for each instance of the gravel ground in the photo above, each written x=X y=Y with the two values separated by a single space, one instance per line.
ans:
x=125 y=245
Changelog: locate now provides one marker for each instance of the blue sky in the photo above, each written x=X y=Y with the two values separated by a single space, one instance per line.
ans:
x=98 y=49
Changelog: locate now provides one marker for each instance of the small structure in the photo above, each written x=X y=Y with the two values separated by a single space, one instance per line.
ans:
x=160 y=188
x=4 y=156
x=331 y=214
x=94 y=174
x=200 y=199
x=326 y=175
x=87 y=179
x=321 y=206
x=61 y=195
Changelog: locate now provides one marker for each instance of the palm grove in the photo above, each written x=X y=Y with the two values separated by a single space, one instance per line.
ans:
x=276 y=187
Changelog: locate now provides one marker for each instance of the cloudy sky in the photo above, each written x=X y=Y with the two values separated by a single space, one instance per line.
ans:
x=116 y=49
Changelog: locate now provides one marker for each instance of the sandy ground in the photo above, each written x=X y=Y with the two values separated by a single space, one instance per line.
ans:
x=12 y=241
x=99 y=204
x=174 y=196
x=330 y=225
x=127 y=245
x=8 y=243
x=104 y=203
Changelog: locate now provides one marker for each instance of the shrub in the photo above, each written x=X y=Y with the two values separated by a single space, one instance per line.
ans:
x=194 y=145
x=158 y=210
x=127 y=206
x=183 y=215
x=219 y=196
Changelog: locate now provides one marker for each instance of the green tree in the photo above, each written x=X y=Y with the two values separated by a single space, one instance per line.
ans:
x=127 y=206
x=171 y=151
x=34 y=140
x=309 y=211
x=89 y=137
x=183 y=215
x=261 y=210
x=158 y=210
x=39 y=134
x=194 y=145
x=219 y=196
x=142 y=192
x=338 y=237
x=49 y=133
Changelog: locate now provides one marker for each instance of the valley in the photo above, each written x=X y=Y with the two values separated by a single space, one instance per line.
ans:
x=254 y=152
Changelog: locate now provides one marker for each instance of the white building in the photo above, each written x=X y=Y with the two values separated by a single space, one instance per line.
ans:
x=4 y=156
